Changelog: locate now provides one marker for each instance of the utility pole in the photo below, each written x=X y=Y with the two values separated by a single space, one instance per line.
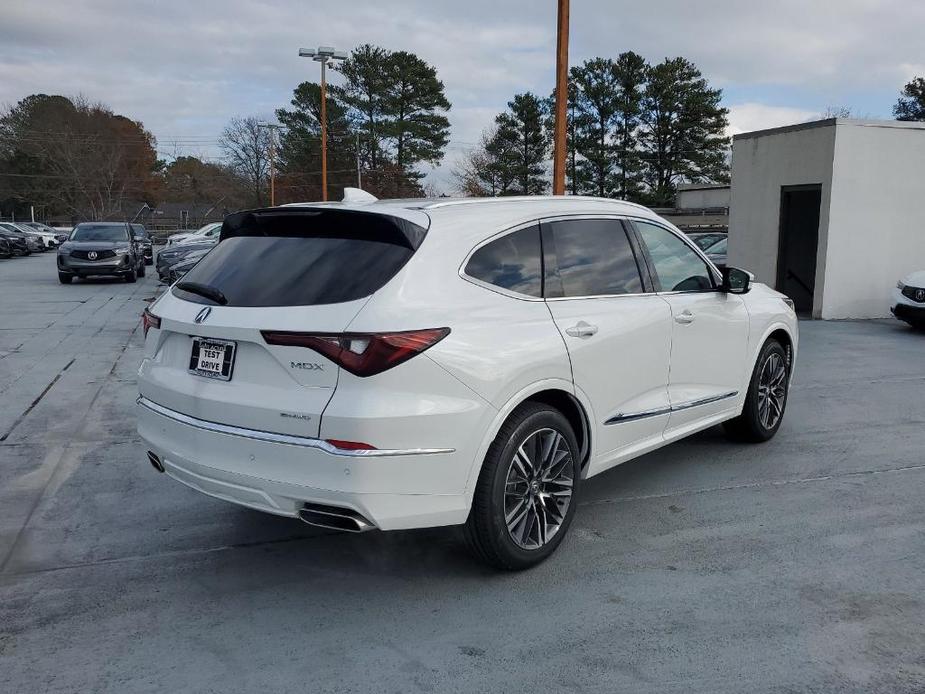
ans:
x=326 y=56
x=359 y=175
x=558 y=163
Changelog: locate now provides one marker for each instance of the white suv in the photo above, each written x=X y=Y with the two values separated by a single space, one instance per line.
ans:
x=402 y=364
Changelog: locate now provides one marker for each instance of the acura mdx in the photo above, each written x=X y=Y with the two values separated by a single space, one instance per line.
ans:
x=404 y=364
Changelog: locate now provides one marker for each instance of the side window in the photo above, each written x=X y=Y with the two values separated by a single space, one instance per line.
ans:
x=593 y=257
x=511 y=262
x=677 y=267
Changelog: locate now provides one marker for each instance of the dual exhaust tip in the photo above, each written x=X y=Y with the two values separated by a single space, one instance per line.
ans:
x=319 y=515
x=334 y=518
x=155 y=461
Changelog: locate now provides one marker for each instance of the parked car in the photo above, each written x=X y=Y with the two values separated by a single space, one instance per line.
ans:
x=17 y=242
x=33 y=245
x=209 y=231
x=909 y=299
x=100 y=248
x=144 y=240
x=404 y=364
x=51 y=237
x=705 y=239
x=43 y=241
x=6 y=251
x=178 y=270
x=717 y=252
x=168 y=257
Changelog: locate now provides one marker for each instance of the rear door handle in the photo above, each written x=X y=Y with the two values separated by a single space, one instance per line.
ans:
x=581 y=329
x=684 y=317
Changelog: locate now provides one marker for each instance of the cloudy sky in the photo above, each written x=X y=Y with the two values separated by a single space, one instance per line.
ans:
x=184 y=68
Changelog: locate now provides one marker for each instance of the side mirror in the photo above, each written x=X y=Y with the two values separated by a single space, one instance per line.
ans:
x=736 y=281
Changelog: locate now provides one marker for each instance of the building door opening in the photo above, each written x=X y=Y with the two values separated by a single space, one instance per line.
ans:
x=798 y=244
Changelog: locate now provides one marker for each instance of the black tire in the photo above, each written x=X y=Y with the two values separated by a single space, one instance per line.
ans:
x=149 y=261
x=65 y=278
x=131 y=276
x=754 y=425
x=141 y=270
x=486 y=530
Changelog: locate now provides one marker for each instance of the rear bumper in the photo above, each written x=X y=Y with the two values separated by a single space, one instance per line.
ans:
x=279 y=474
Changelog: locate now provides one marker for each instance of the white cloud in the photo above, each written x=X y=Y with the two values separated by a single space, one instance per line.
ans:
x=184 y=68
x=744 y=118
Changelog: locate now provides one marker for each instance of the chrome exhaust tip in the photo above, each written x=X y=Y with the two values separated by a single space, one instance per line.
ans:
x=155 y=461
x=334 y=518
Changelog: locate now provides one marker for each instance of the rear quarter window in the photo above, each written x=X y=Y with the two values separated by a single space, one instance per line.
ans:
x=511 y=262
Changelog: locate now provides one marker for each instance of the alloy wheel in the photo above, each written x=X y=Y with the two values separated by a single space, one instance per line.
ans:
x=538 y=489
x=772 y=390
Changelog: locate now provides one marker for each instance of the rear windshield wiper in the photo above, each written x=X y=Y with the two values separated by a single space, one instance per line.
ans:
x=203 y=290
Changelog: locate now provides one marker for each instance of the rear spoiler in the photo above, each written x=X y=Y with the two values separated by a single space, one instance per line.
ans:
x=324 y=222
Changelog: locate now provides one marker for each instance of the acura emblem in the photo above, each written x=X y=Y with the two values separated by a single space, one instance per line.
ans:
x=203 y=314
x=920 y=295
x=91 y=255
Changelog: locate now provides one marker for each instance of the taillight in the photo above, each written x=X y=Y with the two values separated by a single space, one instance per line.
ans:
x=362 y=354
x=149 y=320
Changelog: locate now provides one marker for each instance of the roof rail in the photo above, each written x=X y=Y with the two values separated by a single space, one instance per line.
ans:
x=527 y=198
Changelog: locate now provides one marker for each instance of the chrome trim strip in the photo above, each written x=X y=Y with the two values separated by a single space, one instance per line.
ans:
x=621 y=418
x=704 y=401
x=629 y=417
x=287 y=439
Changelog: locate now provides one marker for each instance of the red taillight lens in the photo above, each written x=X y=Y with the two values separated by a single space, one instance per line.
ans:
x=149 y=320
x=362 y=354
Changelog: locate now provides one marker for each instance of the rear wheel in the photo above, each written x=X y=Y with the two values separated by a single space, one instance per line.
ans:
x=65 y=278
x=141 y=269
x=526 y=494
x=766 y=398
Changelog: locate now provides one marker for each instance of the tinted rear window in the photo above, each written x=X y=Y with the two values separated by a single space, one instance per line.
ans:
x=302 y=259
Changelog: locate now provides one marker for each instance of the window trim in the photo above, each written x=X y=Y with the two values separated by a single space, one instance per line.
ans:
x=628 y=220
x=656 y=281
x=494 y=287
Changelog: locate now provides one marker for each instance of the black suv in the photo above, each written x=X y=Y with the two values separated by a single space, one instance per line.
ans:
x=101 y=248
x=144 y=240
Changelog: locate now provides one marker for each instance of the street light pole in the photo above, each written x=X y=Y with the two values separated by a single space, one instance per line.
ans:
x=326 y=56
x=558 y=162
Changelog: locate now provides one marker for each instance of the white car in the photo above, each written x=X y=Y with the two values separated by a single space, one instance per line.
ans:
x=909 y=299
x=403 y=364
x=209 y=231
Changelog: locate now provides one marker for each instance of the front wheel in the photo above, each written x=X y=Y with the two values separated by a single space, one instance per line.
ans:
x=141 y=269
x=526 y=494
x=131 y=276
x=65 y=278
x=766 y=398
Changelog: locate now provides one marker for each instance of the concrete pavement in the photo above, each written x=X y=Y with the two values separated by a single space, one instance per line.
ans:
x=708 y=566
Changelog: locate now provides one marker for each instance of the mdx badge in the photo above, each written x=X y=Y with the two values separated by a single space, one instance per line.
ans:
x=305 y=366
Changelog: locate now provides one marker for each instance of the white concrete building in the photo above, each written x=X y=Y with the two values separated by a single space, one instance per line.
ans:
x=699 y=196
x=832 y=212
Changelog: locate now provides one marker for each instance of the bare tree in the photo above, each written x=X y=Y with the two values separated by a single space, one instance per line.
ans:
x=837 y=112
x=247 y=147
x=477 y=172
